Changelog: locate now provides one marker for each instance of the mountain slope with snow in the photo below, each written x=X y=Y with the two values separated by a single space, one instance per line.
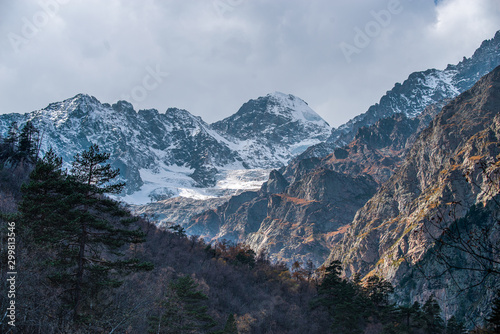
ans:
x=420 y=90
x=161 y=155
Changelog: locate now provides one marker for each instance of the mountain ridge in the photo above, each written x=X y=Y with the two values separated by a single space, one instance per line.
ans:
x=376 y=150
x=418 y=91
x=392 y=234
x=173 y=153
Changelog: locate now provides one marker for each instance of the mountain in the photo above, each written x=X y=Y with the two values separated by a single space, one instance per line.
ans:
x=296 y=199
x=303 y=209
x=161 y=155
x=416 y=93
x=274 y=127
x=387 y=203
x=142 y=144
x=450 y=171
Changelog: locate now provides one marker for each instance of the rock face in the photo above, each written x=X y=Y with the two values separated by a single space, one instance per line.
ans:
x=395 y=232
x=177 y=210
x=420 y=90
x=379 y=149
x=299 y=223
x=162 y=152
x=303 y=210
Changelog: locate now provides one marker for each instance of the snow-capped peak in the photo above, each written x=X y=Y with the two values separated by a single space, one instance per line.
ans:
x=296 y=107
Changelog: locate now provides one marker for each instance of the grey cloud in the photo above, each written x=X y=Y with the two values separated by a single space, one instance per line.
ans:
x=220 y=53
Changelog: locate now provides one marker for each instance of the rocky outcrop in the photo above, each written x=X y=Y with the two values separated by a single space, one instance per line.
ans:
x=176 y=211
x=392 y=235
x=298 y=224
x=232 y=220
x=276 y=184
x=379 y=149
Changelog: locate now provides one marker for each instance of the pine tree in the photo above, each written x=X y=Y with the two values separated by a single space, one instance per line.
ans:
x=409 y=317
x=453 y=326
x=68 y=213
x=343 y=300
x=171 y=318
x=378 y=291
x=43 y=209
x=27 y=140
x=230 y=327
x=12 y=138
x=90 y=168
x=183 y=310
x=329 y=286
x=431 y=312
x=193 y=302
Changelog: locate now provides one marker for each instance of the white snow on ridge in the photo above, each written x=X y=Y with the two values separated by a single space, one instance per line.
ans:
x=300 y=147
x=442 y=80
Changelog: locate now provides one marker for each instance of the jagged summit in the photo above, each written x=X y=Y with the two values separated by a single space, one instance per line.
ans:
x=276 y=125
x=163 y=154
x=77 y=105
x=424 y=88
x=82 y=98
x=292 y=119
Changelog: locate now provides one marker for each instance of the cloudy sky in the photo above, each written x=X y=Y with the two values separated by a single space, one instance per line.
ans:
x=211 y=56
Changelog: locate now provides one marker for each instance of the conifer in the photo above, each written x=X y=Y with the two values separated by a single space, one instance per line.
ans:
x=69 y=214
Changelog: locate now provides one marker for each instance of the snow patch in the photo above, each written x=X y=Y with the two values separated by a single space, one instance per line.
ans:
x=172 y=181
x=297 y=108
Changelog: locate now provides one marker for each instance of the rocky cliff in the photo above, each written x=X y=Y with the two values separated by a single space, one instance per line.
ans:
x=449 y=171
x=301 y=222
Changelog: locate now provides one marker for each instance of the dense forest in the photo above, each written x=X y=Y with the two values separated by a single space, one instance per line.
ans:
x=84 y=264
